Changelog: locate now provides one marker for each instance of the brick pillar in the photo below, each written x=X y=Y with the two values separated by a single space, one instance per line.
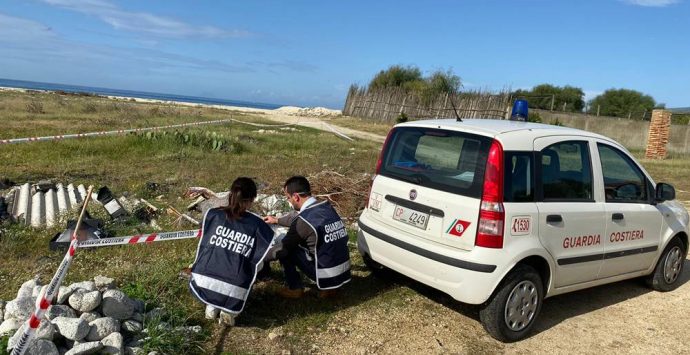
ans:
x=658 y=134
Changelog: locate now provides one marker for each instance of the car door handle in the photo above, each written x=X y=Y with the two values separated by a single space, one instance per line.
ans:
x=554 y=218
x=617 y=217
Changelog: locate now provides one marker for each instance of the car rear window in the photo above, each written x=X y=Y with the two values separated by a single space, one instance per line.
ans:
x=445 y=160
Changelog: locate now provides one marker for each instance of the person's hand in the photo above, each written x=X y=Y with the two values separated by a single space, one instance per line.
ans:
x=271 y=219
x=194 y=192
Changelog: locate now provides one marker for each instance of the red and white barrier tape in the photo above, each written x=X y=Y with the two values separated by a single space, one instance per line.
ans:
x=104 y=133
x=143 y=238
x=47 y=294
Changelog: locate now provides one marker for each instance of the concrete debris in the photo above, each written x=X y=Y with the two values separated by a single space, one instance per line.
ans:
x=117 y=305
x=44 y=204
x=104 y=283
x=85 y=348
x=113 y=344
x=47 y=204
x=207 y=199
x=104 y=330
x=102 y=327
x=71 y=328
x=83 y=301
x=60 y=310
x=20 y=308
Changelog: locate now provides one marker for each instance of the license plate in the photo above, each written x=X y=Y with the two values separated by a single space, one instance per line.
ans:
x=411 y=217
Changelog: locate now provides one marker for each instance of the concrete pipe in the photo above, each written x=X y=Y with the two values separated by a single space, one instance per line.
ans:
x=24 y=204
x=37 y=210
x=63 y=201
x=74 y=198
x=51 y=208
x=82 y=191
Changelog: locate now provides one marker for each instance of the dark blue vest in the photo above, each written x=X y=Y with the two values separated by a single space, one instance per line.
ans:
x=227 y=259
x=332 y=255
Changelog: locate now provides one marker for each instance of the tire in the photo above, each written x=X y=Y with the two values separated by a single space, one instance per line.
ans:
x=512 y=321
x=669 y=267
x=375 y=268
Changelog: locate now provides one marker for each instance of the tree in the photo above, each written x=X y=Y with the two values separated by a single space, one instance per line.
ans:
x=396 y=76
x=410 y=79
x=622 y=103
x=542 y=96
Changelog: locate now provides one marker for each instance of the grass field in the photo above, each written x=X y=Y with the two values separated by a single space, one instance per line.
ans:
x=127 y=163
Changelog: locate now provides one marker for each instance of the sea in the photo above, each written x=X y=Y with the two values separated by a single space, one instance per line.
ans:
x=34 y=85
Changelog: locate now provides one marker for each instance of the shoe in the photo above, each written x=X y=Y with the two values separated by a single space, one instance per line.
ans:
x=185 y=273
x=211 y=312
x=227 y=319
x=291 y=293
x=327 y=293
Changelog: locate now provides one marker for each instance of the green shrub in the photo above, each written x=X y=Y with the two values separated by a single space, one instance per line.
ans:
x=556 y=122
x=89 y=107
x=34 y=106
x=3 y=344
x=680 y=118
x=402 y=117
x=533 y=117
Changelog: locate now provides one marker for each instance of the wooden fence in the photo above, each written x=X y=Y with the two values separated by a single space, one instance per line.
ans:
x=389 y=104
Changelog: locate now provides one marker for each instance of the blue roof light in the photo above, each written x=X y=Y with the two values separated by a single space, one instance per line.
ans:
x=520 y=111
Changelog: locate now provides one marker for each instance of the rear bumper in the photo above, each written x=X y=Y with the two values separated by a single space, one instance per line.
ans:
x=446 y=269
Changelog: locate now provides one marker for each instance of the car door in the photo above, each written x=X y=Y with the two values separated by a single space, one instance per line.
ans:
x=633 y=223
x=571 y=221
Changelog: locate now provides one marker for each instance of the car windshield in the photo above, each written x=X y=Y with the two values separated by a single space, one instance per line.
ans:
x=446 y=160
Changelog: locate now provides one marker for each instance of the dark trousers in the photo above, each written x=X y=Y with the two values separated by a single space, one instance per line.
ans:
x=297 y=258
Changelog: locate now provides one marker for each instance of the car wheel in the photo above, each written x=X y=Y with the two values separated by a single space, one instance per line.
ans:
x=513 y=309
x=375 y=268
x=669 y=267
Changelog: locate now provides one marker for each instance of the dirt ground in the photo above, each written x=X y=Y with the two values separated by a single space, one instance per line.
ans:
x=624 y=317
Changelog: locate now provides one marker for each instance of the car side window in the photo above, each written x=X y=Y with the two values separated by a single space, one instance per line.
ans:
x=566 y=172
x=519 y=177
x=623 y=180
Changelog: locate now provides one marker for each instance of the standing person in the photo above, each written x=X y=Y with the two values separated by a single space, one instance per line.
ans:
x=233 y=245
x=316 y=242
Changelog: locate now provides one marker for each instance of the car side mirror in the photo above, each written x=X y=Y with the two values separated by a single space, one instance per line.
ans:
x=665 y=192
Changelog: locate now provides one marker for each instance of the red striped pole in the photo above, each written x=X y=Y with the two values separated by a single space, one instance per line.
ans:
x=48 y=293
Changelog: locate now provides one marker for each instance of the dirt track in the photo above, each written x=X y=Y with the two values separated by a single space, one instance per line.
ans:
x=624 y=317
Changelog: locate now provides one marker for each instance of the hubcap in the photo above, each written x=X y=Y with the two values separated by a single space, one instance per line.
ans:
x=521 y=306
x=672 y=265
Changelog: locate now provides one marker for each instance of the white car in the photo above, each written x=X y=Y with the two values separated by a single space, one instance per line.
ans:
x=503 y=214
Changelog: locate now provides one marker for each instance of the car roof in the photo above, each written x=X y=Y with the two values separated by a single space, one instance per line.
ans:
x=494 y=128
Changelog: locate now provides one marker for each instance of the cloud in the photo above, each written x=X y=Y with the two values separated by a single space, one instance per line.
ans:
x=17 y=29
x=294 y=66
x=651 y=3
x=144 y=23
x=33 y=42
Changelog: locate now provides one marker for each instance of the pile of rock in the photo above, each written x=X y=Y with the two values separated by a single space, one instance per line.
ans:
x=86 y=317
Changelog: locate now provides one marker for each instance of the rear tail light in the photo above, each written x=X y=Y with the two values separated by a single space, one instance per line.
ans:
x=491 y=213
x=379 y=162
x=383 y=151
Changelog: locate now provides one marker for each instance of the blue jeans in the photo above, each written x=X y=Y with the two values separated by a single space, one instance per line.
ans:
x=297 y=258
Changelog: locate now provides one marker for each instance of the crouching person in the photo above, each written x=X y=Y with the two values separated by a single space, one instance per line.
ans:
x=233 y=245
x=316 y=242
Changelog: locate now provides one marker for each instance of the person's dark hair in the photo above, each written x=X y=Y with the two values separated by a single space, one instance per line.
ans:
x=299 y=185
x=242 y=190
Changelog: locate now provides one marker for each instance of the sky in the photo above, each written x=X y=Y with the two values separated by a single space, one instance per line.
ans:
x=308 y=53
